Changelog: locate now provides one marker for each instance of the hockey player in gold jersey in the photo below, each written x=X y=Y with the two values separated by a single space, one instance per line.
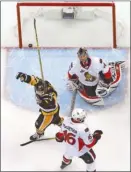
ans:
x=46 y=98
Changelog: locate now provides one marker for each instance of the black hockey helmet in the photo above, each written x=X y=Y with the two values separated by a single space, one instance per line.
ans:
x=82 y=52
x=41 y=87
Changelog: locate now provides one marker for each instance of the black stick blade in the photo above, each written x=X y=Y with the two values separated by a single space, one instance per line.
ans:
x=23 y=144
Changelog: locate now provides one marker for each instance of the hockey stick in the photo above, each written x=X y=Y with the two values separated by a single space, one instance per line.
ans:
x=38 y=48
x=73 y=101
x=31 y=141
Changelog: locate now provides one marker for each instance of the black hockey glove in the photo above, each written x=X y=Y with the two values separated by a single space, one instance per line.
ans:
x=22 y=76
x=97 y=134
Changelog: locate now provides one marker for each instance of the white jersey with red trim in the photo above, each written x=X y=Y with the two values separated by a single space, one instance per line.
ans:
x=89 y=75
x=78 y=139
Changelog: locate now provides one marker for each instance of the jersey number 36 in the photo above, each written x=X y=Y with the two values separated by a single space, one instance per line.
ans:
x=69 y=138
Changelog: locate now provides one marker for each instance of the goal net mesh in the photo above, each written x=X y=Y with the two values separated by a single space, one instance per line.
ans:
x=68 y=25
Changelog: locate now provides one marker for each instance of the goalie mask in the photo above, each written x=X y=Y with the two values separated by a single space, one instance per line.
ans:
x=83 y=56
x=40 y=88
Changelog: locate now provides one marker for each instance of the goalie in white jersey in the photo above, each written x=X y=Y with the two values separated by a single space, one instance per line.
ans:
x=78 y=140
x=87 y=72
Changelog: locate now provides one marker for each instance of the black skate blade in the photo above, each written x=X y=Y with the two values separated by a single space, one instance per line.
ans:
x=62 y=167
x=65 y=165
x=26 y=143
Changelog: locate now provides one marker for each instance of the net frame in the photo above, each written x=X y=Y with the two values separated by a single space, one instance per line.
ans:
x=67 y=4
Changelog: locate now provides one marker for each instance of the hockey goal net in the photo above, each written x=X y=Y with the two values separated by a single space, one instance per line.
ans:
x=71 y=24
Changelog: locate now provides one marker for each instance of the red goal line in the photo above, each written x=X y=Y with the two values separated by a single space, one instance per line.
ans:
x=32 y=48
x=80 y=4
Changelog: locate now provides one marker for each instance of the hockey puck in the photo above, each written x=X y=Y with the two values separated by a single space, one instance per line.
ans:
x=30 y=45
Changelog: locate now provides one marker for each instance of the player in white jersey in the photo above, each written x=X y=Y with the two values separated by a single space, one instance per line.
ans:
x=78 y=140
x=87 y=72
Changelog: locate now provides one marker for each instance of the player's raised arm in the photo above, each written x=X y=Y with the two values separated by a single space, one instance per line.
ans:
x=30 y=79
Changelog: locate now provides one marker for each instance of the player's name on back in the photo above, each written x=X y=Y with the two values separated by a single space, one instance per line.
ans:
x=70 y=128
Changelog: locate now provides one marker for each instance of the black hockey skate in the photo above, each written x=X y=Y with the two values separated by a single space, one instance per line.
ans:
x=36 y=136
x=63 y=165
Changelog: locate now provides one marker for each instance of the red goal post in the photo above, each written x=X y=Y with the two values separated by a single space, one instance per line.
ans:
x=66 y=4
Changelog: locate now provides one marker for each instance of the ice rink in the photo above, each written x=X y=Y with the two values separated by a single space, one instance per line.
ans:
x=19 y=112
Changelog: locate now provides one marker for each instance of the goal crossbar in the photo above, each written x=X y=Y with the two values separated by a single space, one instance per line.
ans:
x=67 y=4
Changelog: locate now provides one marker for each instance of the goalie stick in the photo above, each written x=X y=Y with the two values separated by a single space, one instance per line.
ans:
x=31 y=141
x=73 y=101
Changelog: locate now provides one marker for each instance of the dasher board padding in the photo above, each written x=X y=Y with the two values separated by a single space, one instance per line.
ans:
x=55 y=66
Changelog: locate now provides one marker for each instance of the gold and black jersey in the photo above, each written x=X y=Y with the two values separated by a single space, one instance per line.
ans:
x=47 y=101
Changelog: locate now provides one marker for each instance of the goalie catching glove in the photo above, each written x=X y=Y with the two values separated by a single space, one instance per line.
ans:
x=102 y=89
